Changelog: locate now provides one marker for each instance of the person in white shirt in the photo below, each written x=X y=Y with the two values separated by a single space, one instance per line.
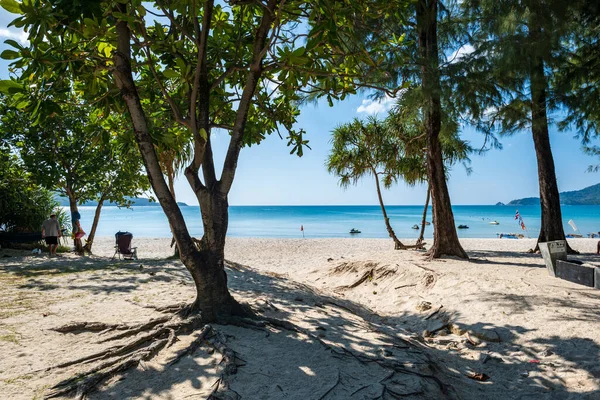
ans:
x=51 y=232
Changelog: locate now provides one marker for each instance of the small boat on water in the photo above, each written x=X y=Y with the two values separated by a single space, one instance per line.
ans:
x=494 y=223
x=427 y=223
x=573 y=235
x=463 y=227
x=352 y=231
x=415 y=226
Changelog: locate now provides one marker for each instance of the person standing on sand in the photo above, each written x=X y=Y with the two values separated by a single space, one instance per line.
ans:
x=51 y=232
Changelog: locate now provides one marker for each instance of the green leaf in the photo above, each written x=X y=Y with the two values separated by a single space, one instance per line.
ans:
x=13 y=44
x=169 y=73
x=10 y=55
x=9 y=86
x=203 y=134
x=298 y=52
x=11 y=6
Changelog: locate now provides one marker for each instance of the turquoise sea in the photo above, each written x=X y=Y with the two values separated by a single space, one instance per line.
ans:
x=336 y=221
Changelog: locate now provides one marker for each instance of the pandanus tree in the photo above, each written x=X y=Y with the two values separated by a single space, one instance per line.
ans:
x=362 y=149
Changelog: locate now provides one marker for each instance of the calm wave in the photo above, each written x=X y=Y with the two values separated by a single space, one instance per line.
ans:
x=336 y=221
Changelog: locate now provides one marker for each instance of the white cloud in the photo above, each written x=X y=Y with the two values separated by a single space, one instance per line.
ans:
x=463 y=51
x=18 y=35
x=371 y=107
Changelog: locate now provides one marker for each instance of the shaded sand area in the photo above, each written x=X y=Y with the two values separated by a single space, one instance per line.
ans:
x=373 y=323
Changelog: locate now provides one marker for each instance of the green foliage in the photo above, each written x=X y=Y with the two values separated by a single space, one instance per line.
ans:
x=76 y=153
x=509 y=37
x=578 y=82
x=394 y=148
x=23 y=205
x=76 y=42
x=362 y=149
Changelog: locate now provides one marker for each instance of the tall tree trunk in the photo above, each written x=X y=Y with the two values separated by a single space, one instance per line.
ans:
x=74 y=226
x=171 y=178
x=397 y=243
x=552 y=226
x=90 y=240
x=424 y=219
x=207 y=265
x=445 y=238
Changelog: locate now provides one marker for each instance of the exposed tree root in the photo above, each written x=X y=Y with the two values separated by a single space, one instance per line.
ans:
x=337 y=382
x=363 y=278
x=417 y=246
x=89 y=327
x=389 y=364
x=132 y=330
x=85 y=382
x=162 y=333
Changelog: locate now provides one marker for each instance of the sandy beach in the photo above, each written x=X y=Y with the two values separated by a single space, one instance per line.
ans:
x=375 y=322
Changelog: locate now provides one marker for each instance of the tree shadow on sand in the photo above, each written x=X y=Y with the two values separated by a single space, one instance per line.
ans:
x=343 y=350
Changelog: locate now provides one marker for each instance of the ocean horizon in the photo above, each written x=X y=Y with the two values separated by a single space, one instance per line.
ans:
x=329 y=221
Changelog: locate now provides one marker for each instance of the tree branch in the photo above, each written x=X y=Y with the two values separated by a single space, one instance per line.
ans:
x=256 y=68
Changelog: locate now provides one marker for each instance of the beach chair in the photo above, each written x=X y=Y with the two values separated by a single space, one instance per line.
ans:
x=123 y=246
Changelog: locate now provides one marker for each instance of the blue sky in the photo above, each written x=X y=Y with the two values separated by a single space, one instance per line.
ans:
x=268 y=174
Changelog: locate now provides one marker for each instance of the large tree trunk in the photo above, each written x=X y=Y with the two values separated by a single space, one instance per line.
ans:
x=552 y=226
x=74 y=226
x=424 y=219
x=171 y=178
x=90 y=240
x=397 y=243
x=207 y=265
x=445 y=238
x=212 y=278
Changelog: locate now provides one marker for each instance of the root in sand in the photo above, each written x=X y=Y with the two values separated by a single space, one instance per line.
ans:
x=157 y=334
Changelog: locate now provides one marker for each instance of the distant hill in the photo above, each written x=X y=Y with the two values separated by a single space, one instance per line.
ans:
x=587 y=196
x=137 y=202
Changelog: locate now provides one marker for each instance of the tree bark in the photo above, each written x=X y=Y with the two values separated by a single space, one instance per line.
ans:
x=424 y=219
x=171 y=178
x=397 y=243
x=74 y=227
x=90 y=240
x=445 y=238
x=205 y=266
x=552 y=226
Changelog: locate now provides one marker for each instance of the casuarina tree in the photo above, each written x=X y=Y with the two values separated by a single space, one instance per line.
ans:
x=519 y=49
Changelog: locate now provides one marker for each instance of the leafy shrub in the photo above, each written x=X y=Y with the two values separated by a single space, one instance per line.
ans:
x=23 y=205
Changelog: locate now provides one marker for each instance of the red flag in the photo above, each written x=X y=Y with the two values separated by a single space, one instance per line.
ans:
x=302 y=228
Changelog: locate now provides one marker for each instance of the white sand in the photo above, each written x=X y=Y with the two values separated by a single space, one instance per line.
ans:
x=548 y=328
